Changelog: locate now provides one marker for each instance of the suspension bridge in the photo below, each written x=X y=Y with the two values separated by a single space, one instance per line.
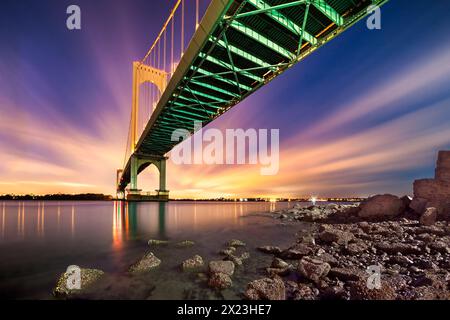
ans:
x=208 y=58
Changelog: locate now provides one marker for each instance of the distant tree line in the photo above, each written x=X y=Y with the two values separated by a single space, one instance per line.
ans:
x=59 y=196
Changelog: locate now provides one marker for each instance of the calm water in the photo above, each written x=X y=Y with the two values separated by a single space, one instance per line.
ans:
x=38 y=240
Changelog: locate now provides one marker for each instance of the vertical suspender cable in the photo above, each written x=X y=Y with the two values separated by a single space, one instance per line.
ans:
x=165 y=54
x=196 y=14
x=171 y=46
x=182 y=29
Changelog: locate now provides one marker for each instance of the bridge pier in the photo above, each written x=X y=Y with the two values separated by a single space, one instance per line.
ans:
x=139 y=162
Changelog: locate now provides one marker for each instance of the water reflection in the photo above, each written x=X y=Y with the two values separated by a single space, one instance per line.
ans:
x=125 y=222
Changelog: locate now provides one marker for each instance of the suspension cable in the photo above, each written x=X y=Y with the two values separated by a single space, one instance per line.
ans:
x=172 y=13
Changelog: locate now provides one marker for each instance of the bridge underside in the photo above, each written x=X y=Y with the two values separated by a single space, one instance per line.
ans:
x=240 y=46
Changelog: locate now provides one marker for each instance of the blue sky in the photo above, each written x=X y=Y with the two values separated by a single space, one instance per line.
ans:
x=365 y=114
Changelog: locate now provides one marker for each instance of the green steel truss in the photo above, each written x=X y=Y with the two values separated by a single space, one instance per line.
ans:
x=240 y=46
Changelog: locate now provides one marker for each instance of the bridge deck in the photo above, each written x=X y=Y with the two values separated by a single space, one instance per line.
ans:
x=240 y=46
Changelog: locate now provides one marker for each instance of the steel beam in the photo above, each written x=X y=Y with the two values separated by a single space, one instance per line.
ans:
x=262 y=39
x=283 y=20
x=327 y=10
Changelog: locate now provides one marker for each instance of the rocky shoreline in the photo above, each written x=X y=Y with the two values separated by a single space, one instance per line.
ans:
x=385 y=248
x=330 y=261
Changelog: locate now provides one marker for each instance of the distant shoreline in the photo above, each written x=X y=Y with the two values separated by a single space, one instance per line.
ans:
x=102 y=197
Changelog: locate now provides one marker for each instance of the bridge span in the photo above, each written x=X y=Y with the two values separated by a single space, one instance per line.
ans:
x=238 y=47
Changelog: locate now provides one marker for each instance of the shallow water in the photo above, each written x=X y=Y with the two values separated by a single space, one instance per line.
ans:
x=38 y=240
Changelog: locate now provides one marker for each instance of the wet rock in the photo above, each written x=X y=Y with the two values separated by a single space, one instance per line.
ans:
x=225 y=267
x=295 y=252
x=156 y=242
x=244 y=256
x=330 y=235
x=148 y=261
x=220 y=281
x=313 y=269
x=193 y=263
x=266 y=289
x=228 y=251
x=236 y=260
x=236 y=243
x=280 y=264
x=428 y=218
x=88 y=277
x=278 y=271
x=270 y=249
x=381 y=206
x=185 y=243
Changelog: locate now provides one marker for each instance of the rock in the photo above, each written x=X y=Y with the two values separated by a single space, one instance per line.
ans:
x=220 y=281
x=220 y=266
x=147 y=262
x=185 y=243
x=360 y=291
x=356 y=248
x=270 y=249
x=280 y=264
x=155 y=242
x=313 y=269
x=328 y=258
x=228 y=251
x=428 y=218
x=335 y=235
x=381 y=206
x=418 y=205
x=406 y=201
x=236 y=243
x=440 y=246
x=396 y=247
x=295 y=252
x=401 y=260
x=304 y=292
x=266 y=289
x=244 y=256
x=88 y=277
x=347 y=274
x=308 y=240
x=193 y=263
x=278 y=271
x=236 y=260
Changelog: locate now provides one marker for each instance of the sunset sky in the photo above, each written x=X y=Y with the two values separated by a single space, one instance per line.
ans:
x=365 y=114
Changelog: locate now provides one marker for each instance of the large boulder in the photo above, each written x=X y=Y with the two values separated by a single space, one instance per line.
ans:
x=266 y=289
x=147 y=262
x=381 y=206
